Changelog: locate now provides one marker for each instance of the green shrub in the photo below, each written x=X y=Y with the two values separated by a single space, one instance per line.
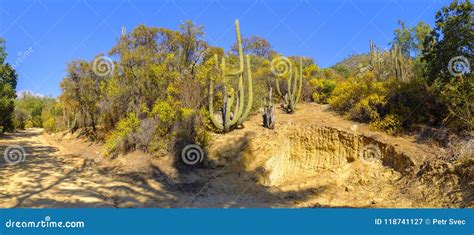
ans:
x=457 y=96
x=390 y=124
x=375 y=102
x=416 y=102
x=49 y=125
x=191 y=129
x=348 y=93
x=322 y=89
x=119 y=139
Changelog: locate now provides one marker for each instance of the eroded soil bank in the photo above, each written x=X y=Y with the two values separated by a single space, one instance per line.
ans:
x=345 y=164
x=313 y=158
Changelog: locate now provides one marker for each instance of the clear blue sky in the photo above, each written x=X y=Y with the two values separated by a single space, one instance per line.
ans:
x=42 y=36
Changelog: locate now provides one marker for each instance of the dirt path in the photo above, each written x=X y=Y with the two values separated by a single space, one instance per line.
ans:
x=46 y=177
x=249 y=167
x=51 y=176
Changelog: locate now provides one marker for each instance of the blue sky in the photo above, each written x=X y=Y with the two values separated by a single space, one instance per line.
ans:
x=42 y=36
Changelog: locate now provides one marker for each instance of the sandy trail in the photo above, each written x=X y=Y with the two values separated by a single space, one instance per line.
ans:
x=51 y=177
x=62 y=170
x=47 y=177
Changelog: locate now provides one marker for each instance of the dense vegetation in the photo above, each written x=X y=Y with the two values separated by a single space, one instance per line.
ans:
x=418 y=81
x=152 y=93
x=32 y=110
x=8 y=79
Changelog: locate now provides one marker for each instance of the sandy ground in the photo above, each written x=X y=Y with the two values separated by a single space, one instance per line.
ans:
x=61 y=170
x=51 y=175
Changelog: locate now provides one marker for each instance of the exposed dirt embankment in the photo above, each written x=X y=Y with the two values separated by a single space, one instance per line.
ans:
x=348 y=164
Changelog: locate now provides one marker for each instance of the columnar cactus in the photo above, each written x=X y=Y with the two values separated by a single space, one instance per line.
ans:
x=397 y=62
x=375 y=58
x=294 y=84
x=268 y=111
x=232 y=120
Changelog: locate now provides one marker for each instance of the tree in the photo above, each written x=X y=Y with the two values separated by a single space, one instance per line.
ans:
x=453 y=36
x=410 y=40
x=421 y=31
x=403 y=38
x=81 y=91
x=255 y=45
x=28 y=110
x=450 y=40
x=8 y=80
x=52 y=116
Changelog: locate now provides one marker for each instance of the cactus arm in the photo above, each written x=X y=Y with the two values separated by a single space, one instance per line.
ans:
x=241 y=54
x=289 y=92
x=225 y=101
x=268 y=111
x=250 y=93
x=278 y=87
x=239 y=43
x=240 y=102
x=298 y=97
x=287 y=103
x=397 y=60
x=372 y=54
x=295 y=86
x=228 y=107
x=237 y=105
x=229 y=73
x=288 y=84
x=211 y=104
x=375 y=58
x=241 y=92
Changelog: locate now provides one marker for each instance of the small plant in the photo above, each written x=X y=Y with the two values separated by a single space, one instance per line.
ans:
x=268 y=111
x=233 y=119
x=293 y=93
x=118 y=140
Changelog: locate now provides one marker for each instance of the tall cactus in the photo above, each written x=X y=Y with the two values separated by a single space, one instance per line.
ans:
x=397 y=62
x=268 y=110
x=375 y=58
x=231 y=120
x=293 y=93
